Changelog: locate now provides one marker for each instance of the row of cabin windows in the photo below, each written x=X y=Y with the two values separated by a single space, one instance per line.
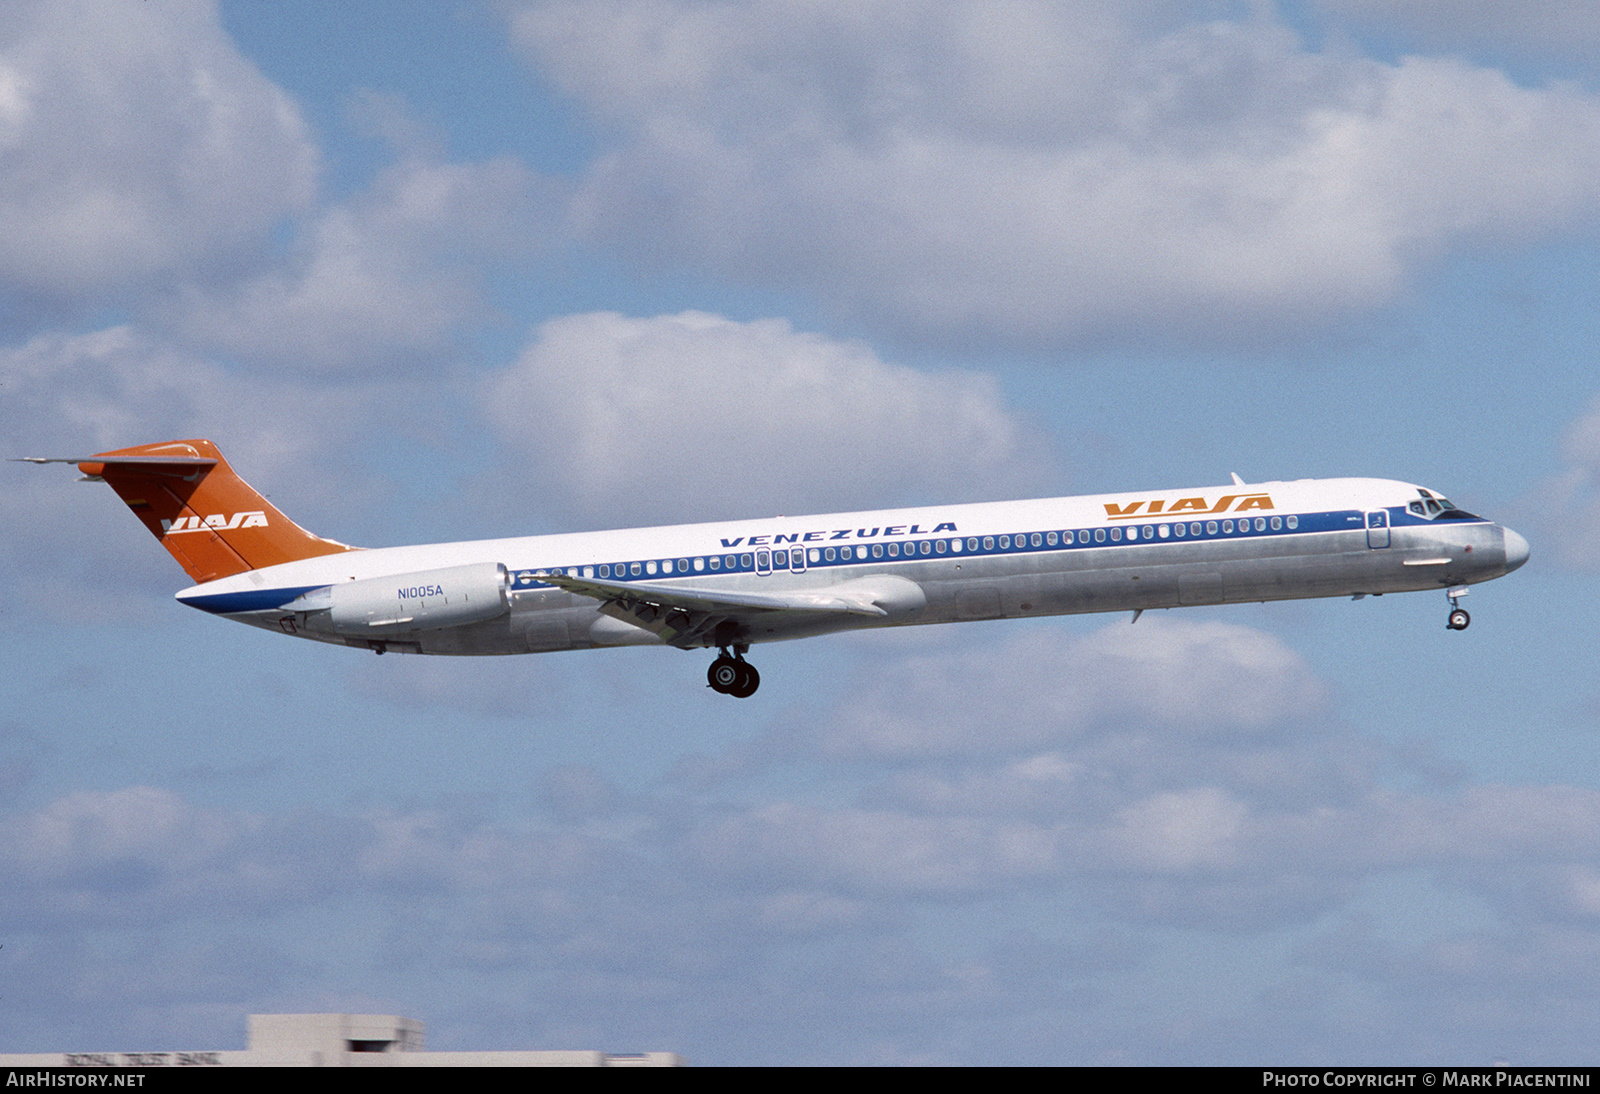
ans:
x=780 y=558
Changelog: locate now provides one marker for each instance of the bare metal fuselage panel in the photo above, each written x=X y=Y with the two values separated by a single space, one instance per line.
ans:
x=709 y=585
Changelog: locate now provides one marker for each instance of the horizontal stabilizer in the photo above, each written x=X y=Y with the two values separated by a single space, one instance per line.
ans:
x=207 y=517
x=153 y=462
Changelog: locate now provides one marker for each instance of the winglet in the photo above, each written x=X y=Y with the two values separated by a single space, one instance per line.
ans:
x=1237 y=481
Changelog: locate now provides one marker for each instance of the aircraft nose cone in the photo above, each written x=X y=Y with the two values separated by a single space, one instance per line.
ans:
x=1516 y=550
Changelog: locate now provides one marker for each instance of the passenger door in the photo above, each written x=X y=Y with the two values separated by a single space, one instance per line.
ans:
x=1378 y=529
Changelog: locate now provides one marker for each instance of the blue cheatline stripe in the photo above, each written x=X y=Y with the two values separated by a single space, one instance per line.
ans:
x=1209 y=527
x=1399 y=516
x=909 y=550
x=256 y=600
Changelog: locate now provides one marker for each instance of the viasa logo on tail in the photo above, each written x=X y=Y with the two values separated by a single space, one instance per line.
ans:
x=217 y=523
x=1183 y=507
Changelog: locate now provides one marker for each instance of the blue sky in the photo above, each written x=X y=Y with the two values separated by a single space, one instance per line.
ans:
x=441 y=271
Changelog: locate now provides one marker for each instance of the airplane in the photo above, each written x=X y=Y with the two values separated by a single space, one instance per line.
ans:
x=733 y=584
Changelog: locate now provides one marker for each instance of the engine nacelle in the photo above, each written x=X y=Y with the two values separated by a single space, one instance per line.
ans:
x=423 y=601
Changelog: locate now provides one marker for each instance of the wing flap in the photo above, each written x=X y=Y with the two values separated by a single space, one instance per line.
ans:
x=688 y=615
x=691 y=598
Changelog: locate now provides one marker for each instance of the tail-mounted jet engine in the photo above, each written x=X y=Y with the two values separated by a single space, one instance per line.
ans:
x=422 y=601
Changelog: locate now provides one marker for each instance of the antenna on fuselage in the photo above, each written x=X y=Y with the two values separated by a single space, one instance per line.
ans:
x=1237 y=481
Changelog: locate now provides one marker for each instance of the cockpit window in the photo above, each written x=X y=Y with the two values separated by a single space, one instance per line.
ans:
x=1434 y=507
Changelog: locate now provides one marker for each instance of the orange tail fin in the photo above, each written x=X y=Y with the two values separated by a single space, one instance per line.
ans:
x=214 y=524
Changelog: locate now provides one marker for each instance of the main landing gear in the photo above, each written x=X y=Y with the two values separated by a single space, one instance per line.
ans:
x=733 y=675
x=1459 y=619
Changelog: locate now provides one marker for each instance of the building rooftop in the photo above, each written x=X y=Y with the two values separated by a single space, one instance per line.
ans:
x=338 y=1040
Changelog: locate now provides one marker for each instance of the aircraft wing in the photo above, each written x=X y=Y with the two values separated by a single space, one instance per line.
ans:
x=686 y=616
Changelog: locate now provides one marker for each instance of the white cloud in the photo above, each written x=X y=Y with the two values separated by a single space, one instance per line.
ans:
x=1182 y=830
x=1191 y=850
x=143 y=854
x=495 y=687
x=1189 y=776
x=1569 y=31
x=876 y=851
x=683 y=416
x=1044 y=688
x=105 y=389
x=148 y=166
x=72 y=395
x=136 y=143
x=1568 y=504
x=1037 y=173
x=783 y=912
x=381 y=282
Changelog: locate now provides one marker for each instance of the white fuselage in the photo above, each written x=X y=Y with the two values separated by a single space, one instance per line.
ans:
x=1114 y=552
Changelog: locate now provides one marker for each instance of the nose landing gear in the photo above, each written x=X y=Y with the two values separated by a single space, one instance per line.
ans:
x=1459 y=619
x=733 y=675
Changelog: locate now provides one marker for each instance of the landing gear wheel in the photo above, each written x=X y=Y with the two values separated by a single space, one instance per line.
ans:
x=1459 y=620
x=733 y=676
x=724 y=675
x=749 y=680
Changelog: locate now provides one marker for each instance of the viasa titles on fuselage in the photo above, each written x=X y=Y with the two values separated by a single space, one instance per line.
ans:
x=729 y=586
